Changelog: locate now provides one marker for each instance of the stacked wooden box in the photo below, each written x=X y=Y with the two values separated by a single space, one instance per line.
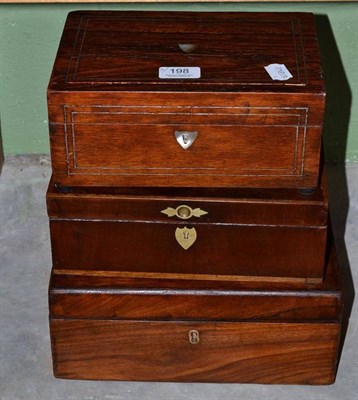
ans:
x=188 y=204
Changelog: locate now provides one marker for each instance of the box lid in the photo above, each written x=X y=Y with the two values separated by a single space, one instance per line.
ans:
x=276 y=207
x=184 y=51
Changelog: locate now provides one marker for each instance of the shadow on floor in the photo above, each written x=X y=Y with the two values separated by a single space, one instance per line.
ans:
x=339 y=205
x=337 y=115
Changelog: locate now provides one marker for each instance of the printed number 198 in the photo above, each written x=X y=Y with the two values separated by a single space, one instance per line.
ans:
x=171 y=72
x=179 y=70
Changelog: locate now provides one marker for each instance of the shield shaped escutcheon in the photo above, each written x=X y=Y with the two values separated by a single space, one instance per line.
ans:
x=185 y=237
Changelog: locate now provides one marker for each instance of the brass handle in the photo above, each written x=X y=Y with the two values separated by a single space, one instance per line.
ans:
x=194 y=337
x=184 y=212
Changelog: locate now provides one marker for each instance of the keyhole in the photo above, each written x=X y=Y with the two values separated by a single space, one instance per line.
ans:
x=194 y=337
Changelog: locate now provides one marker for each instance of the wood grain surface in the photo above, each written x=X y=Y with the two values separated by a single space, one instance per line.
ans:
x=281 y=353
x=106 y=295
x=113 y=328
x=218 y=250
x=113 y=120
x=137 y=44
x=252 y=233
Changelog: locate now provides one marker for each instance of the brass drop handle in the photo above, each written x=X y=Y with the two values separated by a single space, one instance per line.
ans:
x=184 y=212
x=194 y=337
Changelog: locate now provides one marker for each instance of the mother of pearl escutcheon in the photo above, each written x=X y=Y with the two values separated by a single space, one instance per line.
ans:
x=185 y=138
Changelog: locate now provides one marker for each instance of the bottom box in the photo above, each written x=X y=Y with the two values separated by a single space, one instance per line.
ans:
x=111 y=328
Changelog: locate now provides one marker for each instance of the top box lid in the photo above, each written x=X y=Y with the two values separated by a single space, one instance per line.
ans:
x=120 y=51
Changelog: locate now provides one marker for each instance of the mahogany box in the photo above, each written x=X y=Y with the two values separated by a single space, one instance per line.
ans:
x=190 y=233
x=104 y=326
x=186 y=99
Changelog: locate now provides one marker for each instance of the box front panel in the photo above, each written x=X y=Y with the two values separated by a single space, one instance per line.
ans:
x=195 y=351
x=180 y=248
x=186 y=146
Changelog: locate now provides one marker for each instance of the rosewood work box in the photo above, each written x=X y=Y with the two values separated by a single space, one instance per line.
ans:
x=104 y=326
x=188 y=203
x=186 y=99
x=192 y=233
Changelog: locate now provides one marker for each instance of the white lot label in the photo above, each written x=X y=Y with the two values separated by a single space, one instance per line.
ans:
x=179 y=72
x=278 y=72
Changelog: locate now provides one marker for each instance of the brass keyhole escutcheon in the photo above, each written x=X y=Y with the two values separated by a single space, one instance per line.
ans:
x=185 y=237
x=194 y=337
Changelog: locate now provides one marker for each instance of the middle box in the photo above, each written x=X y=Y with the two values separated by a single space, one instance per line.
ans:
x=193 y=233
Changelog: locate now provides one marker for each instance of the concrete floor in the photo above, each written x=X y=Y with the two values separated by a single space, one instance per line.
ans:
x=25 y=263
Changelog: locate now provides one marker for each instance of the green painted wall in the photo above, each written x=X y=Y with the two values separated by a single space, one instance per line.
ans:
x=30 y=34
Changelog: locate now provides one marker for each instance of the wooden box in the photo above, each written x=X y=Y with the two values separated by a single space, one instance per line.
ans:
x=190 y=233
x=184 y=100
x=112 y=328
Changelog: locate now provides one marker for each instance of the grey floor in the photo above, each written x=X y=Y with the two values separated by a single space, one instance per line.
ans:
x=25 y=263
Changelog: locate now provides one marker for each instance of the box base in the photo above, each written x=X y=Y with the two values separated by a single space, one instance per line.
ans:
x=113 y=328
